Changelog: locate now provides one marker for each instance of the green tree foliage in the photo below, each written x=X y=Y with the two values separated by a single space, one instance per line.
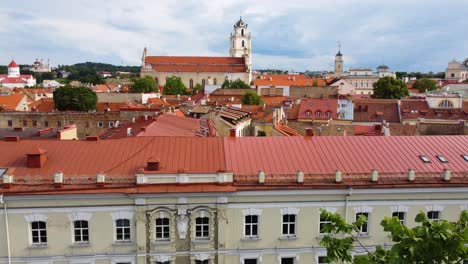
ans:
x=429 y=242
x=425 y=84
x=390 y=88
x=174 y=85
x=251 y=98
x=238 y=84
x=197 y=88
x=75 y=99
x=145 y=84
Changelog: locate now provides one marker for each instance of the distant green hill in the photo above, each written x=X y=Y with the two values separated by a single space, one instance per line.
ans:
x=97 y=67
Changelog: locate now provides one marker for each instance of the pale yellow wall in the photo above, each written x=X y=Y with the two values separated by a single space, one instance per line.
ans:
x=197 y=77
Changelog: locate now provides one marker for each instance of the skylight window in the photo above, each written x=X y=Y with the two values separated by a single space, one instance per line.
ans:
x=425 y=159
x=442 y=159
x=465 y=157
x=2 y=171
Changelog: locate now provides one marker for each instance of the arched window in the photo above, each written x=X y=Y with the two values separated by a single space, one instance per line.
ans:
x=445 y=104
x=318 y=113
x=203 y=83
x=243 y=43
x=215 y=82
x=242 y=32
x=191 y=83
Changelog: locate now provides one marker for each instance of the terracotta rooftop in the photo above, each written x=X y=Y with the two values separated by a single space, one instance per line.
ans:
x=10 y=102
x=376 y=110
x=288 y=80
x=13 y=64
x=309 y=109
x=196 y=64
x=418 y=108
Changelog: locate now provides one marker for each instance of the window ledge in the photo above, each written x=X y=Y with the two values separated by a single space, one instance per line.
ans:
x=250 y=239
x=38 y=246
x=202 y=241
x=161 y=242
x=80 y=245
x=122 y=243
x=288 y=238
x=364 y=235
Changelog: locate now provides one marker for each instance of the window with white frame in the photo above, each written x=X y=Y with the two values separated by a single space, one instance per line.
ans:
x=202 y=228
x=433 y=215
x=287 y=260
x=162 y=229
x=322 y=260
x=289 y=225
x=81 y=231
x=400 y=216
x=39 y=233
x=364 y=229
x=122 y=230
x=322 y=223
x=251 y=226
x=100 y=124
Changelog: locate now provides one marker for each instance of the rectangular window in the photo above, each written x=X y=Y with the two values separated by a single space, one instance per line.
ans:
x=364 y=229
x=323 y=222
x=202 y=228
x=46 y=123
x=289 y=225
x=39 y=233
x=287 y=260
x=433 y=215
x=10 y=123
x=34 y=123
x=25 y=123
x=201 y=261
x=122 y=229
x=400 y=216
x=86 y=124
x=442 y=159
x=425 y=159
x=250 y=261
x=251 y=226
x=81 y=231
x=100 y=124
x=59 y=123
x=465 y=157
x=111 y=124
x=162 y=228
x=323 y=260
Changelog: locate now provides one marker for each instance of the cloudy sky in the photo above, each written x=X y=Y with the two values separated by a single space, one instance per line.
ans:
x=407 y=35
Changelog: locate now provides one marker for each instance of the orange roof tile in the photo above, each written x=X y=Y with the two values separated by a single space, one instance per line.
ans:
x=288 y=80
x=196 y=64
x=11 y=101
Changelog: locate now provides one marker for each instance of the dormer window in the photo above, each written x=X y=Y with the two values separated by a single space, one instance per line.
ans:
x=446 y=104
x=307 y=113
x=318 y=113
x=328 y=114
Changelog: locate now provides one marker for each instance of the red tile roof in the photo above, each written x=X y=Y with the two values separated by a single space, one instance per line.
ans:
x=196 y=64
x=286 y=131
x=10 y=102
x=43 y=105
x=376 y=110
x=312 y=106
x=418 y=108
x=13 y=64
x=288 y=80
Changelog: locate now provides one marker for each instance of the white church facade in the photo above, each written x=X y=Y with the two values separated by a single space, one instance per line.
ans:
x=15 y=79
x=195 y=70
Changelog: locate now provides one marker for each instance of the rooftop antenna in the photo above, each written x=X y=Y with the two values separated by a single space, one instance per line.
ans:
x=339 y=45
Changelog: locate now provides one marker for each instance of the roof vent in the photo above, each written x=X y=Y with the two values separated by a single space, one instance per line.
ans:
x=300 y=176
x=36 y=158
x=152 y=164
x=309 y=132
x=411 y=175
x=101 y=179
x=446 y=174
x=7 y=180
x=374 y=175
x=338 y=177
x=58 y=179
x=261 y=177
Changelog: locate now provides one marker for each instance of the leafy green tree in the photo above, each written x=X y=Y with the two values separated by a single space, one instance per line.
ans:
x=75 y=98
x=197 y=88
x=429 y=242
x=145 y=84
x=425 y=84
x=251 y=98
x=237 y=84
x=174 y=85
x=390 y=88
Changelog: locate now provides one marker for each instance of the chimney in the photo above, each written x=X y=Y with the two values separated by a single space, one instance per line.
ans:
x=101 y=179
x=446 y=174
x=411 y=175
x=261 y=177
x=300 y=176
x=374 y=175
x=143 y=129
x=152 y=164
x=309 y=132
x=11 y=138
x=58 y=179
x=232 y=132
x=7 y=181
x=338 y=177
x=129 y=131
x=36 y=158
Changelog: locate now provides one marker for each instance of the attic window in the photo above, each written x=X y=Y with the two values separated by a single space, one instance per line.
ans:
x=2 y=171
x=425 y=159
x=442 y=159
x=465 y=157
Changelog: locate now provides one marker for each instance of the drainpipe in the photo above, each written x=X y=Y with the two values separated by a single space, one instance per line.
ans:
x=350 y=192
x=6 y=227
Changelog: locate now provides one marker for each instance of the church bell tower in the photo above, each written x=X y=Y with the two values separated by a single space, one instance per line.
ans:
x=339 y=62
x=241 y=42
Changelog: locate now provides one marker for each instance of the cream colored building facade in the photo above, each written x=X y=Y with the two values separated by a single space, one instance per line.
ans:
x=227 y=240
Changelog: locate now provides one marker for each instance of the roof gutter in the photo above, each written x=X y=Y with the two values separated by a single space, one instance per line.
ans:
x=6 y=227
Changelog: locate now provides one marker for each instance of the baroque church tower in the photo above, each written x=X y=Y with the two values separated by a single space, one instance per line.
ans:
x=241 y=43
x=339 y=63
